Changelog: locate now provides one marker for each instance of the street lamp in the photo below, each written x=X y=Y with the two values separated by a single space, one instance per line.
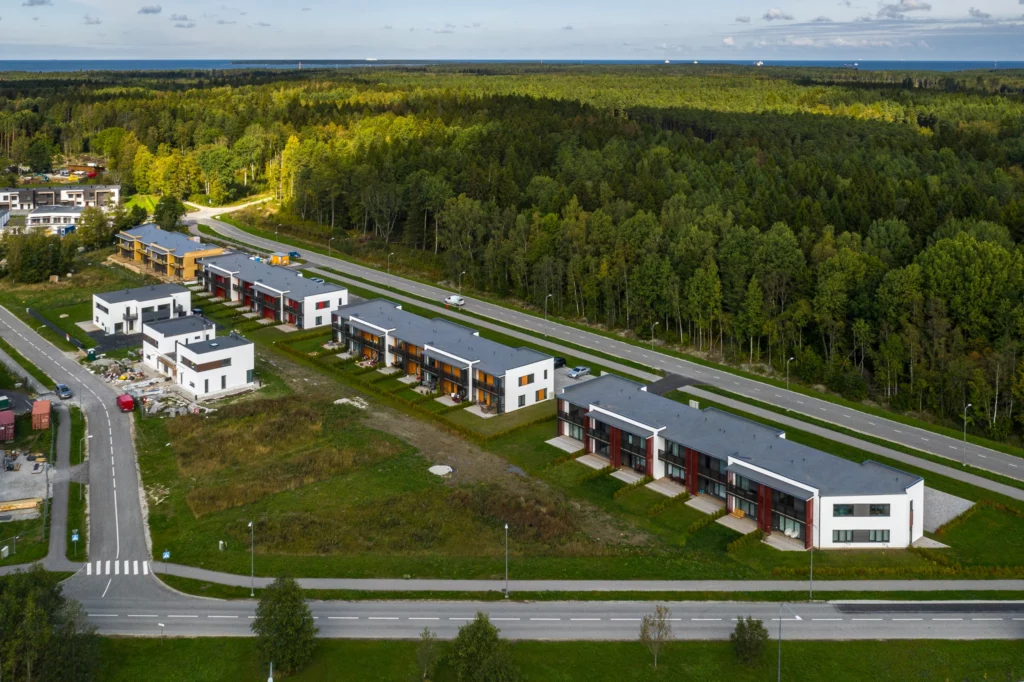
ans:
x=329 y=246
x=460 y=281
x=787 y=372
x=653 y=325
x=80 y=444
x=506 y=561
x=389 y=261
x=276 y=230
x=965 y=430
x=546 y=306
x=813 y=524
x=162 y=631
x=781 y=606
x=252 y=561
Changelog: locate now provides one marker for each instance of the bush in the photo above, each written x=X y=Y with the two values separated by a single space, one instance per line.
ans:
x=479 y=654
x=748 y=540
x=669 y=502
x=631 y=487
x=706 y=521
x=749 y=640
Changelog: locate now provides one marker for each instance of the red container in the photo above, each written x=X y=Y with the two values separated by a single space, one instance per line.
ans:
x=40 y=415
x=126 y=403
x=6 y=426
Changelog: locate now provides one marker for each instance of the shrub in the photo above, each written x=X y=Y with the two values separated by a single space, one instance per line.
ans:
x=749 y=640
x=748 y=540
x=706 y=521
x=669 y=502
x=479 y=654
x=632 y=486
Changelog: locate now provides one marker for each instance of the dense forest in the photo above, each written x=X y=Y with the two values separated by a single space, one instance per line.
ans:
x=868 y=225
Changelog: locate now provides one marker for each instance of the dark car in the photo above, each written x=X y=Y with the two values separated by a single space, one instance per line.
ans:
x=294 y=254
x=62 y=391
x=559 y=362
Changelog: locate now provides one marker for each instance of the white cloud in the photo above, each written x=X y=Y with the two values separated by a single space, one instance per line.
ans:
x=728 y=42
x=821 y=20
x=743 y=20
x=225 y=22
x=36 y=3
x=179 y=17
x=776 y=14
x=978 y=14
x=262 y=24
x=185 y=24
x=567 y=27
x=897 y=10
x=150 y=9
x=91 y=21
x=388 y=27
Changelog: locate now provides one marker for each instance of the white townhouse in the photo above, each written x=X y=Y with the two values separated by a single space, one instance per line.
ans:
x=215 y=365
x=57 y=220
x=784 y=487
x=125 y=311
x=445 y=355
x=160 y=340
x=274 y=292
x=23 y=199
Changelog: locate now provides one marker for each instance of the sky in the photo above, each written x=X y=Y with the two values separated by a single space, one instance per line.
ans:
x=859 y=30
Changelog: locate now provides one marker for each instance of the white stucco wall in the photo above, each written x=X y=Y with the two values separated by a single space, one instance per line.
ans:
x=236 y=375
x=543 y=372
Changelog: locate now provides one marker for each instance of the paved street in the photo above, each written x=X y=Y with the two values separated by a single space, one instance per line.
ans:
x=943 y=446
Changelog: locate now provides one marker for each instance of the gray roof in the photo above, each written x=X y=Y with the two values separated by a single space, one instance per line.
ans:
x=275 y=277
x=722 y=435
x=489 y=356
x=181 y=325
x=775 y=484
x=172 y=242
x=70 y=210
x=211 y=345
x=48 y=188
x=149 y=293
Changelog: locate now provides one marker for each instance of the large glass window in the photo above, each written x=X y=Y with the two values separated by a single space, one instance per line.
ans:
x=788 y=526
x=842 y=510
x=746 y=506
x=878 y=536
x=879 y=510
x=842 y=536
x=674 y=471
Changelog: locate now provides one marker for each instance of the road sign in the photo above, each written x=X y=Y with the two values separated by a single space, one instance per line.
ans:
x=74 y=537
x=167 y=555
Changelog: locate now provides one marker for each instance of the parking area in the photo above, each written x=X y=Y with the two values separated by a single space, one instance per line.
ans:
x=562 y=379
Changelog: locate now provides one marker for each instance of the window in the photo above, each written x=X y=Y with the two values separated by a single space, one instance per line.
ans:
x=545 y=374
x=147 y=309
x=321 y=305
x=102 y=308
x=223 y=381
x=879 y=510
x=842 y=510
x=319 y=320
x=248 y=376
x=526 y=380
x=878 y=535
x=522 y=401
x=206 y=386
x=542 y=394
x=842 y=536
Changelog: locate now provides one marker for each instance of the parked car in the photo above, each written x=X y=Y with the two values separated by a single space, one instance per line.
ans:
x=294 y=254
x=579 y=372
x=62 y=391
x=455 y=300
x=318 y=280
x=559 y=362
x=126 y=403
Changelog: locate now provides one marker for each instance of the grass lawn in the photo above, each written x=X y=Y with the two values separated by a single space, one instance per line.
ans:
x=229 y=659
x=38 y=374
x=146 y=201
x=32 y=543
x=503 y=422
x=973 y=542
x=76 y=519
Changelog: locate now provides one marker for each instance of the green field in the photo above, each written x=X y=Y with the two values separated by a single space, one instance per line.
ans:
x=230 y=659
x=146 y=201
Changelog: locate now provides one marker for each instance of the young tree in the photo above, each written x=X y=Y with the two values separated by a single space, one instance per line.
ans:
x=479 y=654
x=749 y=639
x=655 y=630
x=40 y=156
x=284 y=627
x=169 y=210
x=93 y=228
x=426 y=653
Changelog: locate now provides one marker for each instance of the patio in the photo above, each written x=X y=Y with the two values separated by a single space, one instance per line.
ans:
x=287 y=328
x=705 y=503
x=409 y=379
x=447 y=401
x=593 y=461
x=784 y=543
x=566 y=444
x=478 y=411
x=628 y=476
x=387 y=371
x=740 y=524
x=667 y=487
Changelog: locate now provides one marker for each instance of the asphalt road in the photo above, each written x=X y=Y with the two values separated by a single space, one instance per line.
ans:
x=927 y=441
x=570 y=620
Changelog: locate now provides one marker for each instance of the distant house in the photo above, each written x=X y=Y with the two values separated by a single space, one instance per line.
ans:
x=168 y=254
x=24 y=199
x=160 y=340
x=57 y=220
x=275 y=293
x=125 y=311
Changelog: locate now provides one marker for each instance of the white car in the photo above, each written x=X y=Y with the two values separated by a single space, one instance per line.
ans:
x=454 y=300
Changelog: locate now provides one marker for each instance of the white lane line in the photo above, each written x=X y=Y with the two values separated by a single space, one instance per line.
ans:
x=800 y=402
x=868 y=619
x=704 y=619
x=982 y=456
x=953 y=447
x=117 y=528
x=924 y=439
x=847 y=416
x=180 y=616
x=433 y=618
x=908 y=618
x=135 y=567
x=107 y=572
x=117 y=568
x=822 y=409
x=504 y=619
x=947 y=618
x=1018 y=619
x=336 y=617
x=222 y=616
x=115 y=484
x=545 y=619
x=826 y=618
x=103 y=615
x=99 y=565
x=145 y=568
x=874 y=424
x=577 y=619
x=777 y=395
x=88 y=568
x=383 y=618
x=110 y=580
x=459 y=618
x=986 y=618
x=1013 y=465
x=111 y=460
x=126 y=567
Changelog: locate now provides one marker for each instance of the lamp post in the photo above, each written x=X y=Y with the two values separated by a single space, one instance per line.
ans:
x=787 y=372
x=653 y=325
x=506 y=561
x=389 y=261
x=781 y=606
x=252 y=560
x=80 y=444
x=546 y=306
x=813 y=525
x=276 y=231
x=162 y=631
x=460 y=281
x=329 y=246
x=968 y=405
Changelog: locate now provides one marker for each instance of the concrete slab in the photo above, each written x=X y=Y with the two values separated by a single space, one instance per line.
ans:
x=287 y=328
x=593 y=461
x=940 y=507
x=740 y=525
x=389 y=370
x=705 y=503
x=562 y=379
x=88 y=326
x=446 y=401
x=566 y=444
x=477 y=411
x=407 y=379
x=627 y=476
x=784 y=544
x=251 y=316
x=666 y=487
x=928 y=543
x=265 y=321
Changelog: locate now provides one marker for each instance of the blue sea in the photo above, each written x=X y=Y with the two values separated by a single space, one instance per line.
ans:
x=58 y=65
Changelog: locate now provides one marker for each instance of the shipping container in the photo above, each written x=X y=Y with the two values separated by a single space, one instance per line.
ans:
x=40 y=415
x=6 y=426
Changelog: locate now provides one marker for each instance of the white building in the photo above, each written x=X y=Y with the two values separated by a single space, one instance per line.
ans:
x=24 y=199
x=445 y=355
x=751 y=469
x=57 y=220
x=124 y=312
x=215 y=366
x=160 y=340
x=274 y=292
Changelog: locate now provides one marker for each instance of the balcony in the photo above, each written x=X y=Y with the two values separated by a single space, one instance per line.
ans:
x=743 y=493
x=667 y=456
x=569 y=417
x=131 y=317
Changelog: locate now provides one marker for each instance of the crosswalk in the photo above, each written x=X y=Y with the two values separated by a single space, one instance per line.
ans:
x=117 y=567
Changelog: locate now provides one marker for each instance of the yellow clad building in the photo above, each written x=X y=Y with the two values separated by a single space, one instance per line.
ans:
x=170 y=255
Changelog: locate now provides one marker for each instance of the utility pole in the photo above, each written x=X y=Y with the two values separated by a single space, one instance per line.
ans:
x=389 y=261
x=782 y=606
x=506 y=561
x=329 y=246
x=653 y=325
x=252 y=561
x=460 y=281
x=546 y=306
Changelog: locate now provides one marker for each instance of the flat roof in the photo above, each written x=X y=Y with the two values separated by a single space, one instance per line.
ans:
x=172 y=242
x=68 y=210
x=275 y=277
x=211 y=345
x=152 y=292
x=181 y=325
x=723 y=435
x=488 y=356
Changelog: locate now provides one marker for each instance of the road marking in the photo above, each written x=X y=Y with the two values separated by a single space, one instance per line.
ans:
x=145 y=568
x=908 y=618
x=704 y=619
x=460 y=618
x=117 y=528
x=947 y=618
x=986 y=618
x=847 y=416
x=800 y=402
x=874 y=424
x=436 y=618
x=117 y=568
x=1013 y=465
x=953 y=447
x=545 y=619
x=88 y=568
x=777 y=395
x=174 y=616
x=626 y=619
x=822 y=409
x=107 y=572
x=577 y=619
x=135 y=567
x=504 y=619
x=383 y=618
x=869 y=619
x=982 y=456
x=222 y=616
x=337 y=617
x=107 y=588
x=115 y=484
x=924 y=439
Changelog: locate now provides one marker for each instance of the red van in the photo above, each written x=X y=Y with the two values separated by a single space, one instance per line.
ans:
x=126 y=403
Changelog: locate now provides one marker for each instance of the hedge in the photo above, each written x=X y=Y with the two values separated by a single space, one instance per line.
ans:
x=750 y=539
x=632 y=486
x=706 y=521
x=669 y=502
